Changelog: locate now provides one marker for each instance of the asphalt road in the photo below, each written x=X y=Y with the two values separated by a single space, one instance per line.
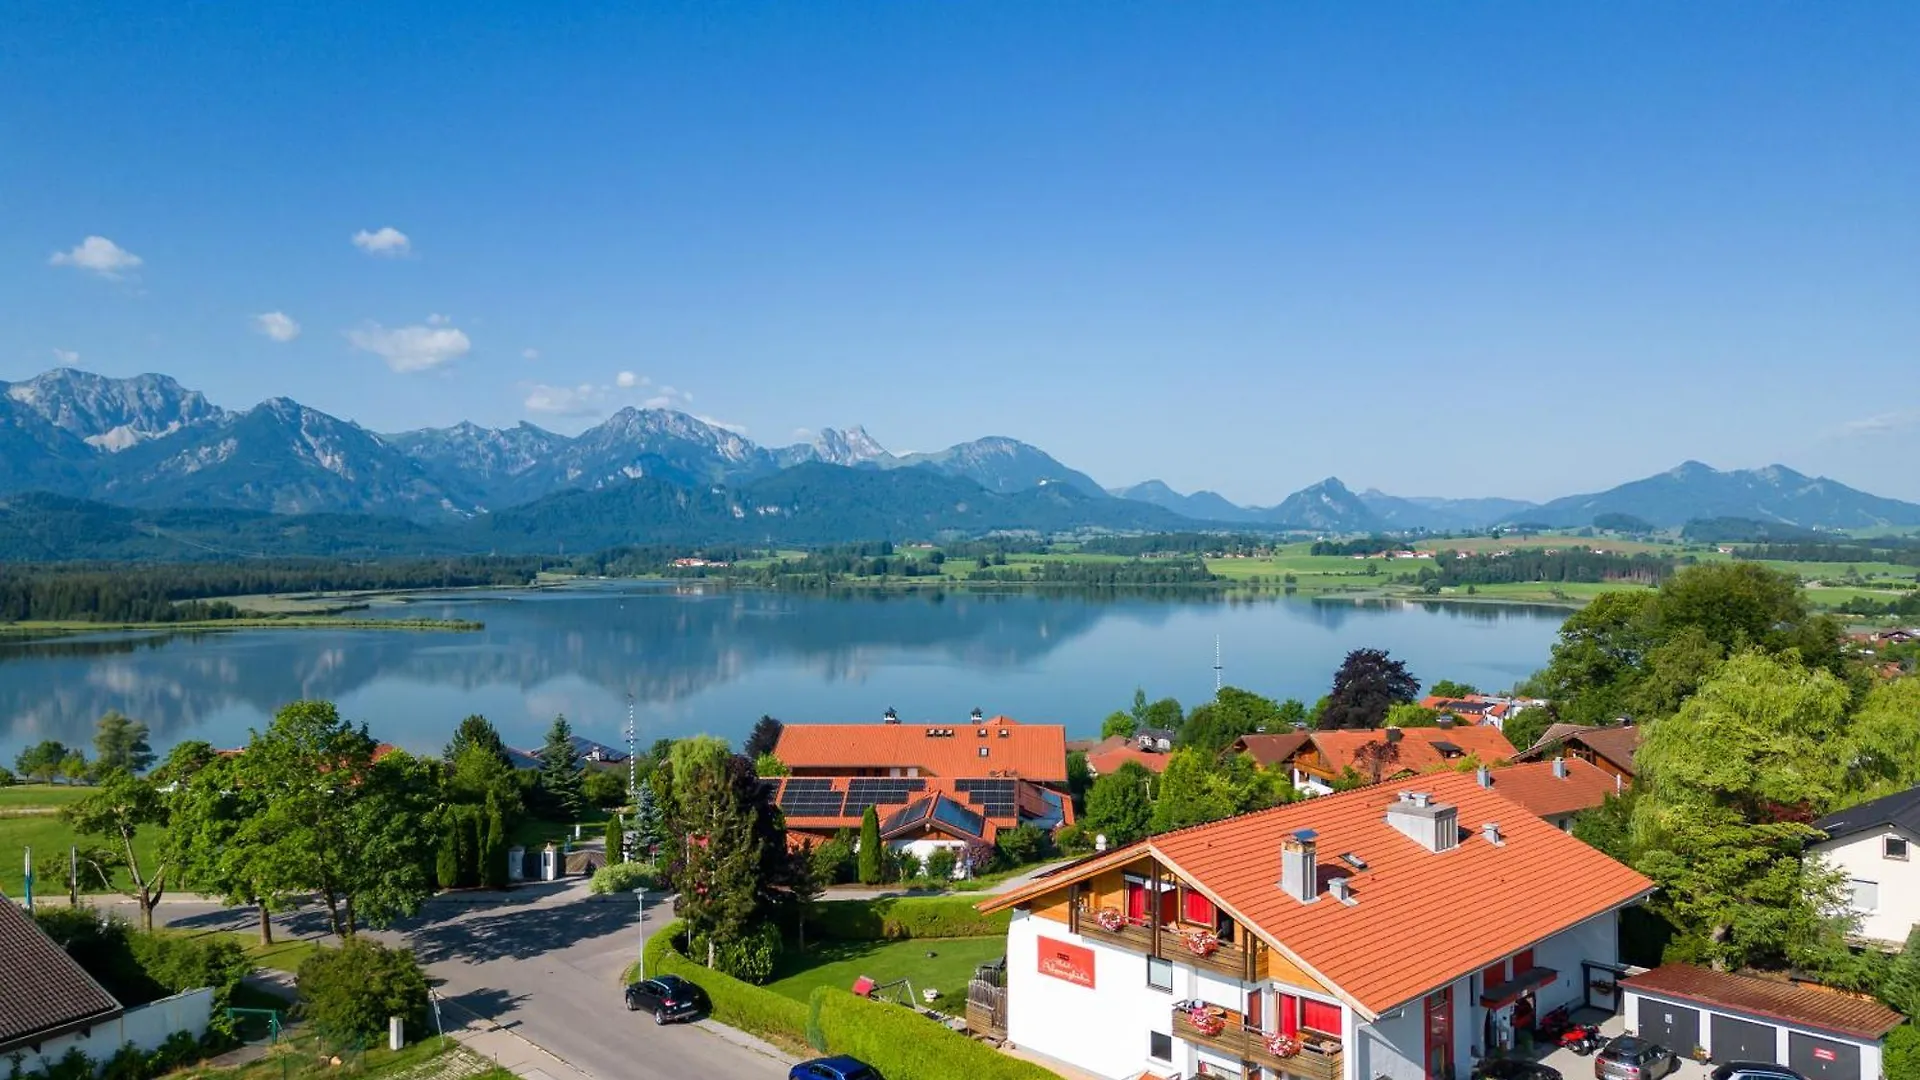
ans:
x=544 y=963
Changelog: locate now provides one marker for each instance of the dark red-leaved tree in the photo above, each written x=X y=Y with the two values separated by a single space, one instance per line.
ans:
x=1368 y=683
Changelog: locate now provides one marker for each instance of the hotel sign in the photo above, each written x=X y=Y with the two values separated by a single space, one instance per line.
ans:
x=1072 y=963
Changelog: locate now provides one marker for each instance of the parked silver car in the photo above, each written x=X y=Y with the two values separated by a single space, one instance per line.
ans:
x=1629 y=1057
x=1754 y=1070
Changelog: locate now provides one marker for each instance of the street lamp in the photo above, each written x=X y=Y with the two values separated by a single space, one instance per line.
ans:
x=640 y=894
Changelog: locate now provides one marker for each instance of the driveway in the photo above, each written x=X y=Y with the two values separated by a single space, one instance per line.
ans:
x=540 y=966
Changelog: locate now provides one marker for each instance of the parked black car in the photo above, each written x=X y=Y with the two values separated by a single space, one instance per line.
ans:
x=1754 y=1070
x=1629 y=1057
x=668 y=997
x=833 y=1068
x=1513 y=1069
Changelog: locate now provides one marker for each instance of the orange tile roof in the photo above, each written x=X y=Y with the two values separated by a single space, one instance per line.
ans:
x=1420 y=919
x=1270 y=750
x=1106 y=761
x=1031 y=751
x=1417 y=752
x=1534 y=786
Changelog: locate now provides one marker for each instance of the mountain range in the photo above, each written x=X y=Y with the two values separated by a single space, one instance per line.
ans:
x=149 y=443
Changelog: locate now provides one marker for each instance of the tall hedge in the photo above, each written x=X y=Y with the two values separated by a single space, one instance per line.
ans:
x=900 y=1042
x=904 y=917
x=735 y=1003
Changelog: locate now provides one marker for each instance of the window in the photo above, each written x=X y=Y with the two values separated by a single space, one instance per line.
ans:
x=1866 y=895
x=1893 y=847
x=1160 y=974
x=1159 y=1047
x=983 y=751
x=1197 y=909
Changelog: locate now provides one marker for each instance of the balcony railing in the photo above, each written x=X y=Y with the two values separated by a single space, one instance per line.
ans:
x=1320 y=1057
x=1235 y=960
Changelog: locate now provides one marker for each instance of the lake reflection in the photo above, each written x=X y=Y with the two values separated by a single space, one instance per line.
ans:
x=715 y=660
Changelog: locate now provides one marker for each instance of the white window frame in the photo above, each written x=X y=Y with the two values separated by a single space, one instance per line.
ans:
x=1167 y=966
x=1872 y=889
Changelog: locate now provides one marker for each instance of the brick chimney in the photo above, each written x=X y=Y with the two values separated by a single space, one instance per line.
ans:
x=1300 y=867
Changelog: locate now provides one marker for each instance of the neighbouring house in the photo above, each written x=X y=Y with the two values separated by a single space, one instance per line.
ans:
x=1271 y=751
x=1402 y=930
x=50 y=1006
x=1158 y=740
x=932 y=786
x=1554 y=791
x=1611 y=746
x=1386 y=753
x=1481 y=708
x=1873 y=845
x=1114 y=751
x=1821 y=1034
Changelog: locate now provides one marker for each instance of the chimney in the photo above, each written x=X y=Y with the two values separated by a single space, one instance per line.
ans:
x=1299 y=868
x=1341 y=889
x=1491 y=831
x=1393 y=734
x=1434 y=826
x=1559 y=768
x=1100 y=842
x=890 y=718
x=1445 y=721
x=977 y=714
x=1484 y=775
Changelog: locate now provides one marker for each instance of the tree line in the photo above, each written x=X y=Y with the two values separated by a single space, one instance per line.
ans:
x=1576 y=564
x=1900 y=553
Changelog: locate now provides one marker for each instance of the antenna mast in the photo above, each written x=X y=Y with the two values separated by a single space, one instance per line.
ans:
x=1216 y=665
x=633 y=763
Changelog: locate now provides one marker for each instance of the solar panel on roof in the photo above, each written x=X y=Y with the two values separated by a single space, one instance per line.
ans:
x=959 y=817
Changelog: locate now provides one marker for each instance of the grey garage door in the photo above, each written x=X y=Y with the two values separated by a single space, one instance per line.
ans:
x=1743 y=1040
x=1822 y=1059
x=1675 y=1027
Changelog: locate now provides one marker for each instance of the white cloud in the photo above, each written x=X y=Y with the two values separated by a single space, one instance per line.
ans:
x=582 y=400
x=67 y=357
x=412 y=348
x=803 y=433
x=438 y=320
x=98 y=255
x=529 y=354
x=724 y=425
x=1883 y=424
x=277 y=325
x=387 y=241
x=626 y=380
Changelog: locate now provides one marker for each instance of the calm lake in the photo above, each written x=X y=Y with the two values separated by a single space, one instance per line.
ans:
x=713 y=660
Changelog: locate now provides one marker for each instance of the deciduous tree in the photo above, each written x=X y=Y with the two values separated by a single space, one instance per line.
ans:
x=477 y=731
x=1117 y=805
x=121 y=743
x=762 y=739
x=116 y=813
x=207 y=811
x=1447 y=688
x=1368 y=683
x=1190 y=792
x=41 y=761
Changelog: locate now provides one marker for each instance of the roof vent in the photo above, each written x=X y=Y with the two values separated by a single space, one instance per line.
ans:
x=1491 y=830
x=1341 y=889
x=983 y=733
x=1299 y=866
x=1434 y=826
x=1559 y=768
x=931 y=732
x=1004 y=732
x=1484 y=775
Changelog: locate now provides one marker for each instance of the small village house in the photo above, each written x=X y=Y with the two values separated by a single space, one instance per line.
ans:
x=1327 y=757
x=1610 y=746
x=1877 y=846
x=1555 y=791
x=1403 y=930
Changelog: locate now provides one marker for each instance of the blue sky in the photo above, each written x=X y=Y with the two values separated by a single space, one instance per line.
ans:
x=1515 y=249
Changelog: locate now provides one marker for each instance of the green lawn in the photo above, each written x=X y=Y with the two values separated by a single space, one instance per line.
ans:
x=536 y=834
x=839 y=963
x=24 y=796
x=49 y=837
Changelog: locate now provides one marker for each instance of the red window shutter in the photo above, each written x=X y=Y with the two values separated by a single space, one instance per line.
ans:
x=1320 y=1016
x=1199 y=909
x=1523 y=961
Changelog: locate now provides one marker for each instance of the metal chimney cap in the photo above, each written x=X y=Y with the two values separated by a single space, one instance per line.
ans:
x=1306 y=836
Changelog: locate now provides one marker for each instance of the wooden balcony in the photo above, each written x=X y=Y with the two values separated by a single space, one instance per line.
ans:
x=1244 y=961
x=1320 y=1057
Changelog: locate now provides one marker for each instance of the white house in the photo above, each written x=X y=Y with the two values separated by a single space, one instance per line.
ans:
x=1877 y=845
x=1402 y=930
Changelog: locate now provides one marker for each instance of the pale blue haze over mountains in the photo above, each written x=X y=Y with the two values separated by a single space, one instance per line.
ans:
x=1447 y=251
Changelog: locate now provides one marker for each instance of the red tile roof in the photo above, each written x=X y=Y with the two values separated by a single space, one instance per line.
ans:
x=1270 y=750
x=1477 y=705
x=1534 y=786
x=1420 y=918
x=1615 y=742
x=1026 y=794
x=42 y=990
x=1031 y=751
x=1418 y=751
x=1827 y=1010
x=1103 y=762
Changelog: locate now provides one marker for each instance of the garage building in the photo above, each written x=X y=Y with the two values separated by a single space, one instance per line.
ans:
x=1822 y=1034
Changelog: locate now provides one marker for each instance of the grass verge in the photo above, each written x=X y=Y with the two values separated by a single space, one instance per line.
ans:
x=942 y=964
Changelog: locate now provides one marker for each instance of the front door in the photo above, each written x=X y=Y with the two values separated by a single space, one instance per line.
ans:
x=1440 y=1034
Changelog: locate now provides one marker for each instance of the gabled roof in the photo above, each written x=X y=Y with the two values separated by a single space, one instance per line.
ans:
x=43 y=992
x=1420 y=748
x=1419 y=919
x=1901 y=809
x=942 y=814
x=1534 y=786
x=1615 y=742
x=1842 y=1014
x=1271 y=750
x=1031 y=751
x=1107 y=760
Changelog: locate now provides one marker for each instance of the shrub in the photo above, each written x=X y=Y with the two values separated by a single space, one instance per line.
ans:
x=833 y=861
x=350 y=991
x=188 y=963
x=901 y=1042
x=901 y=918
x=622 y=877
x=750 y=958
x=909 y=866
x=735 y=1003
x=1073 y=840
x=941 y=863
x=1022 y=844
x=1902 y=1052
x=606 y=788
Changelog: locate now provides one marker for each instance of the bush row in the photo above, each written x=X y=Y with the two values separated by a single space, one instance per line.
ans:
x=898 y=1041
x=736 y=1004
x=900 y=918
x=130 y=1062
